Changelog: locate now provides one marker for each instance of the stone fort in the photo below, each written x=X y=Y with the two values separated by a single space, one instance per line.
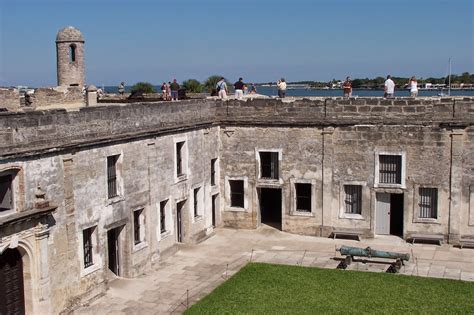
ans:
x=94 y=191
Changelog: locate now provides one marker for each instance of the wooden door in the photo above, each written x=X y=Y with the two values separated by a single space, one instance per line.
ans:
x=11 y=283
x=382 y=214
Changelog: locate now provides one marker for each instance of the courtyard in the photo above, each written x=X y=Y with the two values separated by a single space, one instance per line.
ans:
x=187 y=276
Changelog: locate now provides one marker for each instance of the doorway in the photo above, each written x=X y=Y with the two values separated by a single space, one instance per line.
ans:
x=214 y=209
x=270 y=207
x=389 y=214
x=179 y=221
x=11 y=283
x=113 y=246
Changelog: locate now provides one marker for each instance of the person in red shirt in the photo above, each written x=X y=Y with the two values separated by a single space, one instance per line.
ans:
x=347 y=87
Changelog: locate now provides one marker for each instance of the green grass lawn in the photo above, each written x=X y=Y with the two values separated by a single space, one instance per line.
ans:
x=278 y=289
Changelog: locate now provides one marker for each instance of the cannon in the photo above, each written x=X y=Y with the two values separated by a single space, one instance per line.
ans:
x=351 y=252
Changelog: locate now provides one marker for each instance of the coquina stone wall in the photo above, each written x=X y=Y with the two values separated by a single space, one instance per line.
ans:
x=327 y=143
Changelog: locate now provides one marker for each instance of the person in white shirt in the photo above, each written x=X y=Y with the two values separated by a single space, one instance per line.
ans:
x=221 y=86
x=281 y=84
x=413 y=85
x=389 y=87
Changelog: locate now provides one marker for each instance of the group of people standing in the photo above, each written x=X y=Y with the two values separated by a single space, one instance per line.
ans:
x=240 y=89
x=170 y=90
x=389 y=87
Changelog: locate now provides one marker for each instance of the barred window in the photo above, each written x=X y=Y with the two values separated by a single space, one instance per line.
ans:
x=137 y=225
x=353 y=199
x=179 y=158
x=269 y=165
x=303 y=197
x=87 y=245
x=428 y=202
x=390 y=169
x=196 y=205
x=6 y=193
x=236 y=193
x=112 y=176
x=213 y=172
x=163 y=216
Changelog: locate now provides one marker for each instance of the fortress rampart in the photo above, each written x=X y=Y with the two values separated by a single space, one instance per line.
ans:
x=152 y=176
x=43 y=130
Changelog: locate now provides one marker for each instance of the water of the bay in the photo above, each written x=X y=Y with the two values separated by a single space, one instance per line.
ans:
x=301 y=92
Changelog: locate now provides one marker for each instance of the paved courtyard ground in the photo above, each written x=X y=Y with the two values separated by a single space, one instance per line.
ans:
x=195 y=270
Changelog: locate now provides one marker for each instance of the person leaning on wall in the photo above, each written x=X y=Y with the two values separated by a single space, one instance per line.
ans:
x=413 y=85
x=281 y=84
x=347 y=87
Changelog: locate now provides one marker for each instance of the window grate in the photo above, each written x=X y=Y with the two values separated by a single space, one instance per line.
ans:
x=390 y=169
x=112 y=176
x=87 y=243
x=136 y=226
x=236 y=193
x=213 y=172
x=269 y=165
x=353 y=199
x=6 y=194
x=163 y=216
x=303 y=197
x=428 y=202
x=196 y=193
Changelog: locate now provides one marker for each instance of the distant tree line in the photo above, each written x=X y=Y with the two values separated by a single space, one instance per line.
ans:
x=400 y=82
x=190 y=85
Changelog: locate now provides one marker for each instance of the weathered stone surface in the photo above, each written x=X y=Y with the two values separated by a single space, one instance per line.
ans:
x=322 y=143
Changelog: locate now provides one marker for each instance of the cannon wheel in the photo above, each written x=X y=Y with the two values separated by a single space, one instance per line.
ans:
x=395 y=267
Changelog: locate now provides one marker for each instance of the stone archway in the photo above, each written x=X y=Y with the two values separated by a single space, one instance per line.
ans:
x=28 y=276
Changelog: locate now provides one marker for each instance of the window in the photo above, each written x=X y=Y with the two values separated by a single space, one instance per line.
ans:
x=163 y=216
x=138 y=224
x=179 y=158
x=6 y=192
x=87 y=244
x=213 y=172
x=195 y=198
x=390 y=169
x=112 y=176
x=236 y=193
x=428 y=203
x=353 y=199
x=303 y=197
x=269 y=165
x=72 y=53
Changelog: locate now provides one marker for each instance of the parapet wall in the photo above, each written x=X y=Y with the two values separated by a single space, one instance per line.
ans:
x=9 y=99
x=12 y=100
x=46 y=130
x=339 y=110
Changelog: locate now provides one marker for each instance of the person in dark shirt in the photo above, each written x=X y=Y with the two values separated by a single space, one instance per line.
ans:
x=174 y=90
x=239 y=89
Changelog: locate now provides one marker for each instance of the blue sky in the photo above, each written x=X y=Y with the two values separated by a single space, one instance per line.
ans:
x=260 y=40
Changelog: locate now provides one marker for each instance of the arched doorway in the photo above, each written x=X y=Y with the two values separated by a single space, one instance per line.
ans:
x=11 y=283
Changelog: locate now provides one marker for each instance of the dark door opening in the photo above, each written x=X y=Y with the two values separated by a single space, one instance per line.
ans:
x=11 y=283
x=214 y=207
x=396 y=214
x=179 y=221
x=113 y=250
x=270 y=206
